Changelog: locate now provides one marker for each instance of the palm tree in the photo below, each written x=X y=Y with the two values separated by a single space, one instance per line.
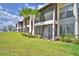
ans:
x=29 y=12
x=34 y=13
x=25 y=12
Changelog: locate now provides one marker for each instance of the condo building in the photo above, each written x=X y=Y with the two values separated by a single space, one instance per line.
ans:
x=19 y=26
x=55 y=19
x=46 y=24
x=68 y=18
x=26 y=25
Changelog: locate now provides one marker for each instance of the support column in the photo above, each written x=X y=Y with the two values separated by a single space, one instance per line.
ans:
x=75 y=11
x=53 y=32
x=17 y=27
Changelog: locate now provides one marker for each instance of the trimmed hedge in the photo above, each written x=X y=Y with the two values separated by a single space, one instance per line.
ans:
x=67 y=38
x=30 y=35
x=76 y=41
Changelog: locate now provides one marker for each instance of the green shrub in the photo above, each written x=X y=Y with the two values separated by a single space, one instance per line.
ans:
x=25 y=34
x=30 y=35
x=67 y=38
x=38 y=36
x=76 y=41
x=70 y=38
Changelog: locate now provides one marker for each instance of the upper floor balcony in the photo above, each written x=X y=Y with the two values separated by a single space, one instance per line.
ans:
x=20 y=24
x=66 y=11
x=47 y=13
x=46 y=17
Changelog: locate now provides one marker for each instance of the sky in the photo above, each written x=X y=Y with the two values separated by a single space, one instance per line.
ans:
x=9 y=12
x=13 y=8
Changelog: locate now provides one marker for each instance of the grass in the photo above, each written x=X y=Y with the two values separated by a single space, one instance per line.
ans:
x=14 y=44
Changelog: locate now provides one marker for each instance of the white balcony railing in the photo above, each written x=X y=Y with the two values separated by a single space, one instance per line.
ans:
x=44 y=23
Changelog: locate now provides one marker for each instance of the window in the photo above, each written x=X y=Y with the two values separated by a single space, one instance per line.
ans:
x=56 y=30
x=62 y=15
x=50 y=31
x=78 y=11
x=78 y=5
x=61 y=30
x=68 y=7
x=78 y=8
x=70 y=28
x=48 y=15
x=42 y=18
x=67 y=28
x=69 y=13
x=66 y=11
x=66 y=14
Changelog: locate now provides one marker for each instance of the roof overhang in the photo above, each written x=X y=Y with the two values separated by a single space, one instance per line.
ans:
x=46 y=6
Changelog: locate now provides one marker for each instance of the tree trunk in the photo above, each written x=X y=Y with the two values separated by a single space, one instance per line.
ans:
x=25 y=26
x=30 y=24
x=33 y=24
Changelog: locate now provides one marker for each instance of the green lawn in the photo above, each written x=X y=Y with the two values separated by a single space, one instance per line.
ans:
x=14 y=44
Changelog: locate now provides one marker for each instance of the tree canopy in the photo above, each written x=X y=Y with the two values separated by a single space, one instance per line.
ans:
x=28 y=11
